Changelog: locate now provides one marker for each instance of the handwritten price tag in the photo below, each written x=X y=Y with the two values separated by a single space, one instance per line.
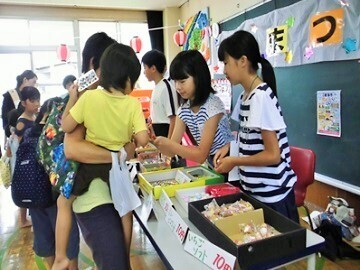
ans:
x=147 y=209
x=206 y=252
x=172 y=218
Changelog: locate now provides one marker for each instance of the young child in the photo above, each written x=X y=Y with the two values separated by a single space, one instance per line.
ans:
x=264 y=154
x=30 y=101
x=164 y=100
x=202 y=112
x=111 y=127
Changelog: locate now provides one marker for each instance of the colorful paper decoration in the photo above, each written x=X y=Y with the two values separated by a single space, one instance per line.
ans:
x=326 y=28
x=309 y=51
x=136 y=44
x=277 y=40
x=63 y=53
x=290 y=21
x=179 y=37
x=215 y=30
x=254 y=28
x=349 y=45
x=288 y=56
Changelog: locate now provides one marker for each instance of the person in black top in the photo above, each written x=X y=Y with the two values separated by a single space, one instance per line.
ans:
x=12 y=97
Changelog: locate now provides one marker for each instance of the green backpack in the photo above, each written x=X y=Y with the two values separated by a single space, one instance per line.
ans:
x=50 y=151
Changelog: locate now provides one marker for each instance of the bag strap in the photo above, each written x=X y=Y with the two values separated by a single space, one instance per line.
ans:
x=170 y=96
x=15 y=97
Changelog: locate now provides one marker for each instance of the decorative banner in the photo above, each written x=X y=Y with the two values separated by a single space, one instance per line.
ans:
x=208 y=253
x=329 y=113
x=222 y=87
x=317 y=31
x=326 y=28
x=277 y=40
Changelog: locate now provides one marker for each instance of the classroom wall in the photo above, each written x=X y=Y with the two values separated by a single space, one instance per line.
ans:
x=40 y=12
x=170 y=18
x=218 y=10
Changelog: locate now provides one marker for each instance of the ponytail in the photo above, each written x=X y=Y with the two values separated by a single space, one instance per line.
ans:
x=28 y=74
x=268 y=74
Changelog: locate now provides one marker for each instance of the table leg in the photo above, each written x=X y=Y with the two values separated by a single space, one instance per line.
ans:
x=311 y=262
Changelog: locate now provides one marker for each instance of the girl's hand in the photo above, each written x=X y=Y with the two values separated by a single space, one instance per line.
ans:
x=164 y=144
x=73 y=90
x=224 y=165
x=221 y=153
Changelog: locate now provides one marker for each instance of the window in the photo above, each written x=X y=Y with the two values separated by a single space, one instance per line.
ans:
x=51 y=33
x=14 y=32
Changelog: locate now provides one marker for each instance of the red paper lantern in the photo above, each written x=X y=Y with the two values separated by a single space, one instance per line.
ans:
x=179 y=37
x=136 y=44
x=63 y=53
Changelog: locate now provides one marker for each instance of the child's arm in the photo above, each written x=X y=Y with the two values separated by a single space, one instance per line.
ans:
x=197 y=154
x=68 y=123
x=269 y=156
x=141 y=138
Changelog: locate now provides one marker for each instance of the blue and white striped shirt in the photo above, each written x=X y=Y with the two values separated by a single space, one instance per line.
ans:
x=196 y=121
x=261 y=111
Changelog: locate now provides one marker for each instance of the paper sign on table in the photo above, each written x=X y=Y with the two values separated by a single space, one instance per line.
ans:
x=172 y=218
x=147 y=208
x=165 y=201
x=208 y=253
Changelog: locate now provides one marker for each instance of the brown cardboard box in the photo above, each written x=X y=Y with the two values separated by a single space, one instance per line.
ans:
x=260 y=254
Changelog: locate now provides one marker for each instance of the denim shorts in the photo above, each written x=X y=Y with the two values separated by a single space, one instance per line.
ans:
x=44 y=221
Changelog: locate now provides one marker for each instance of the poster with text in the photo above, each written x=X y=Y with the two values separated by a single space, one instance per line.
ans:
x=329 y=113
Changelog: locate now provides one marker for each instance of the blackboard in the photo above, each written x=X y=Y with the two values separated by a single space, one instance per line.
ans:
x=338 y=158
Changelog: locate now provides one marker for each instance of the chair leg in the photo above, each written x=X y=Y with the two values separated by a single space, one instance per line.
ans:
x=308 y=215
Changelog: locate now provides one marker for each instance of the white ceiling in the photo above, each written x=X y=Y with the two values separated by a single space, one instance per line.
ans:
x=114 y=4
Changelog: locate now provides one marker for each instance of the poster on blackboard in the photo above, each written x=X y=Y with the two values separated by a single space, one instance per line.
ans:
x=329 y=113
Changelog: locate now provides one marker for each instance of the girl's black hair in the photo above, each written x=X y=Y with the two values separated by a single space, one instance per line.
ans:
x=192 y=63
x=94 y=48
x=31 y=93
x=119 y=63
x=243 y=43
x=28 y=74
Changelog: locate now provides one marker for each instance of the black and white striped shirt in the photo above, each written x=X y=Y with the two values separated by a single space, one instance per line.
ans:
x=196 y=121
x=261 y=111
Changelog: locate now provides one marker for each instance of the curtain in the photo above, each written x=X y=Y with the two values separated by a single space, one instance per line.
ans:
x=154 y=20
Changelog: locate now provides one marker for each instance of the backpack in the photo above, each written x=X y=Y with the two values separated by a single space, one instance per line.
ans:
x=30 y=187
x=50 y=151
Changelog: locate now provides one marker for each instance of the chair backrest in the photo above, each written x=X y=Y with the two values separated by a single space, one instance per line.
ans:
x=303 y=164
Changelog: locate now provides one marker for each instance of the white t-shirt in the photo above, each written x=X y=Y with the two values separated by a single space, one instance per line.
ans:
x=161 y=105
x=261 y=111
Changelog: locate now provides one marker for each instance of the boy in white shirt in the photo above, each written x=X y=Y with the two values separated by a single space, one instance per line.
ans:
x=164 y=99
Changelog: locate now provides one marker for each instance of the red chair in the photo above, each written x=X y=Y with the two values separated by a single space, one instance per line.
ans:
x=303 y=164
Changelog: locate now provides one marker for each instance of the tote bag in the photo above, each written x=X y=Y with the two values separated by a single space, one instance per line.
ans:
x=122 y=190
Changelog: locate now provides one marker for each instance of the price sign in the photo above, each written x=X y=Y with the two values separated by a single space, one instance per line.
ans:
x=165 y=202
x=206 y=252
x=147 y=209
x=172 y=218
x=176 y=224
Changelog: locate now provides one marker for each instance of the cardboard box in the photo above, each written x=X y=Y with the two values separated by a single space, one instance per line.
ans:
x=181 y=193
x=254 y=255
x=146 y=179
x=156 y=166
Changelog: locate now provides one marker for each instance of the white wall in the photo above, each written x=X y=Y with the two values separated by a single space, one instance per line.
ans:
x=220 y=10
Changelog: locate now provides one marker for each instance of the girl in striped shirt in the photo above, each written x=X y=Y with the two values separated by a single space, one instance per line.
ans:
x=264 y=154
x=202 y=112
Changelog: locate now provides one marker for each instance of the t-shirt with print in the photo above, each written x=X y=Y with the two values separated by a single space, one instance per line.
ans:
x=196 y=121
x=261 y=111
x=110 y=120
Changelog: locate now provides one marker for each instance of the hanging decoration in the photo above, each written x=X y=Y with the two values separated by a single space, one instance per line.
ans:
x=349 y=45
x=179 y=37
x=215 y=30
x=136 y=44
x=63 y=53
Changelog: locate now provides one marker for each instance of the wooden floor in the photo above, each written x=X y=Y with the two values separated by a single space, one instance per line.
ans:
x=16 y=247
